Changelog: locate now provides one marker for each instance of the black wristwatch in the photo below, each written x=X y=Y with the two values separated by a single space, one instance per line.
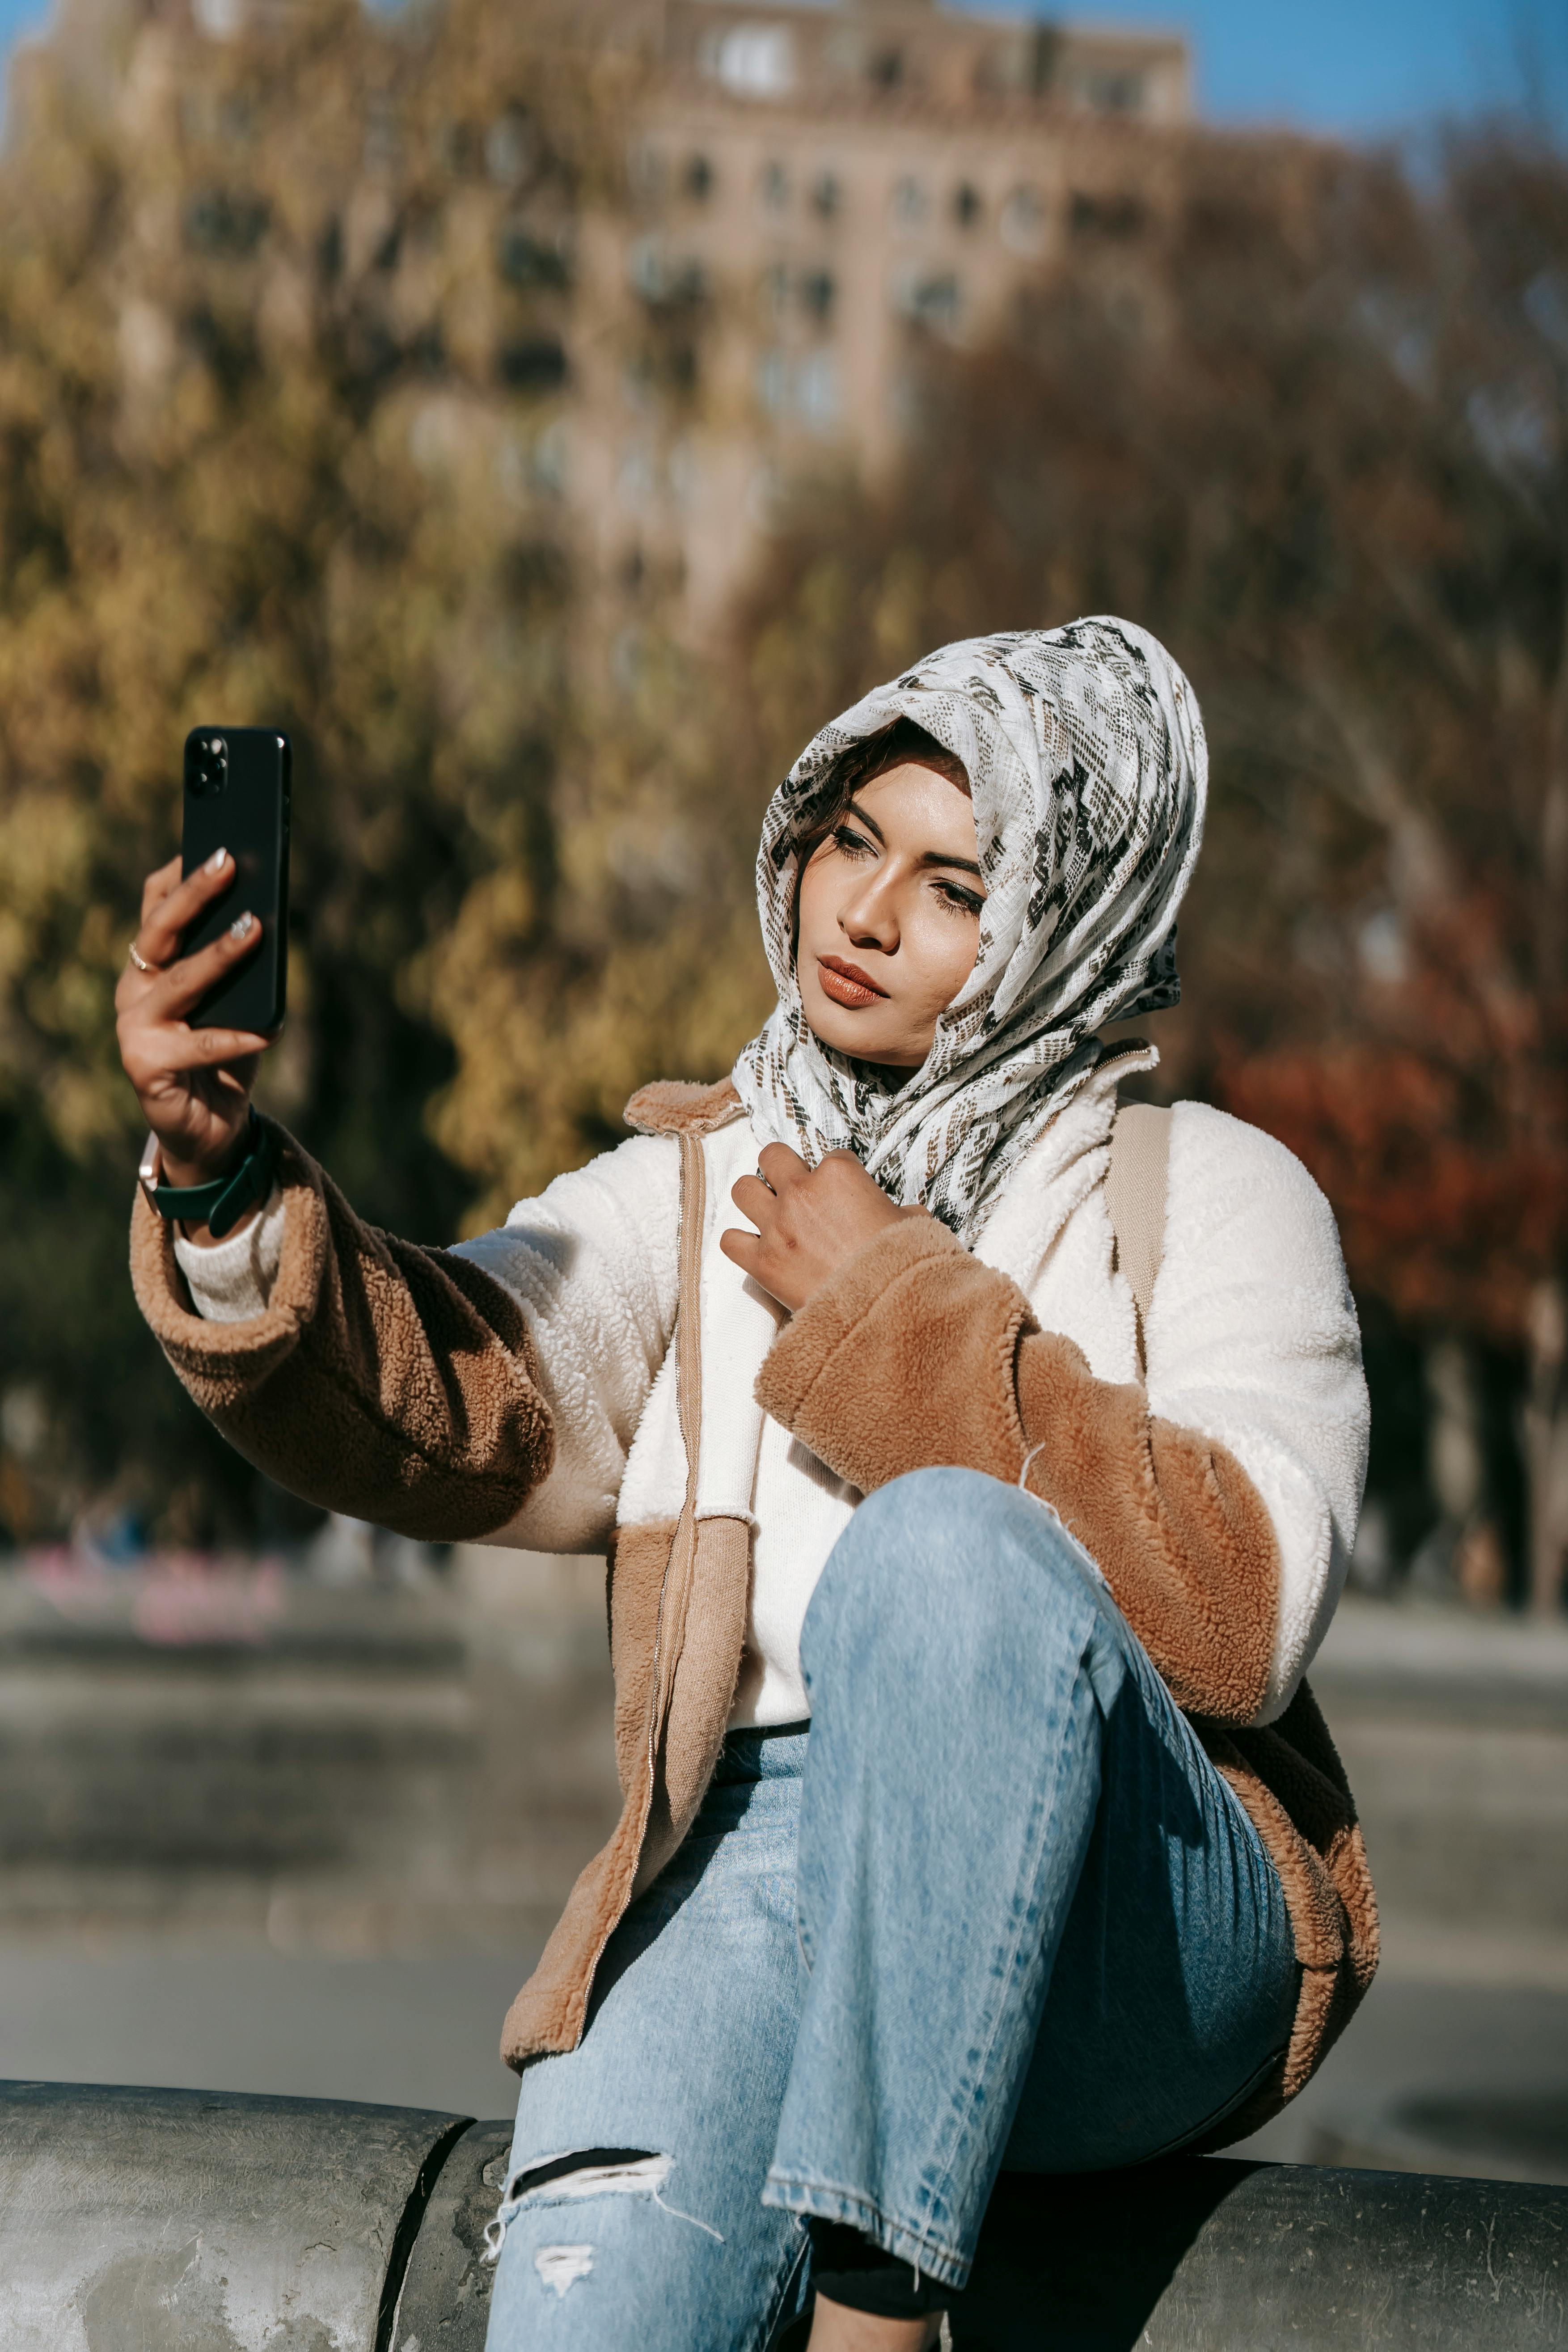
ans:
x=220 y=1204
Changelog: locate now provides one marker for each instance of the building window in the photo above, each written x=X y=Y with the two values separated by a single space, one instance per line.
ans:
x=1105 y=216
x=931 y=298
x=509 y=148
x=773 y=382
x=816 y=397
x=645 y=170
x=887 y=68
x=382 y=132
x=773 y=187
x=750 y=60
x=909 y=203
x=968 y=203
x=807 y=388
x=1023 y=221
x=698 y=179
x=529 y=260
x=827 y=196
x=637 y=476
x=662 y=278
x=547 y=462
x=533 y=364
x=646 y=268
x=763 y=492
x=459 y=149
x=685 y=473
x=904 y=406
x=816 y=295
x=775 y=289
x=1112 y=93
x=218 y=222
x=220 y=20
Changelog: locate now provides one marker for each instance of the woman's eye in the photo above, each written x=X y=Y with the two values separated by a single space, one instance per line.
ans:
x=852 y=845
x=958 y=900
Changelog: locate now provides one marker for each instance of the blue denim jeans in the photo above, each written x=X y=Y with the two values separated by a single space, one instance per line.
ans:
x=994 y=1910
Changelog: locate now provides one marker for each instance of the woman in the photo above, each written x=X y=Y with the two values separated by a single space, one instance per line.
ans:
x=982 y=1822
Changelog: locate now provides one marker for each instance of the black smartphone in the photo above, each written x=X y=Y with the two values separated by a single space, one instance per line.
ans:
x=236 y=798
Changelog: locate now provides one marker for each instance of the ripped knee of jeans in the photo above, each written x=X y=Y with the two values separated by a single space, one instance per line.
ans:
x=574 y=2177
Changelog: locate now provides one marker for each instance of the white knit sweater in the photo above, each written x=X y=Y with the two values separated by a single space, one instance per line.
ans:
x=1251 y=1338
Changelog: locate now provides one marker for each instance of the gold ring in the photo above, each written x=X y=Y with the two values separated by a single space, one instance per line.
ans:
x=141 y=962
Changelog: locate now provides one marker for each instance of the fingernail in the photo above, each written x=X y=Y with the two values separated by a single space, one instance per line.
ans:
x=238 y=928
x=215 y=863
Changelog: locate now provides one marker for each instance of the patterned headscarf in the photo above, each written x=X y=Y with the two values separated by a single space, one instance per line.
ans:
x=1087 y=769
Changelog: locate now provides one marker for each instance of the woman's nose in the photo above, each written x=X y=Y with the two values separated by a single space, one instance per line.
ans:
x=870 y=919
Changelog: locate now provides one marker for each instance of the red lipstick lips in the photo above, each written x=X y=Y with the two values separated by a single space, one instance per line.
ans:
x=846 y=984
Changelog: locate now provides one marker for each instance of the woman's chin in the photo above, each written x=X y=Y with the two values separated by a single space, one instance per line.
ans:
x=862 y=1038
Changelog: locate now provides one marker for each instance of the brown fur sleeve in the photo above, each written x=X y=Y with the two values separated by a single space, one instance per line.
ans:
x=916 y=1354
x=392 y=1383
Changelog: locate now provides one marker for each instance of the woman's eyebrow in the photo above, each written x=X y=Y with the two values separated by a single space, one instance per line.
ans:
x=935 y=857
x=930 y=857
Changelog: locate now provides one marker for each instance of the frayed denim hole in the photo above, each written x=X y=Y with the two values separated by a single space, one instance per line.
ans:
x=532 y=2178
x=585 y=2174
x=527 y=2184
x=561 y=2267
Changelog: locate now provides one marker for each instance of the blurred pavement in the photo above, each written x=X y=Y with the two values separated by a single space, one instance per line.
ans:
x=408 y=1784
x=1453 y=1731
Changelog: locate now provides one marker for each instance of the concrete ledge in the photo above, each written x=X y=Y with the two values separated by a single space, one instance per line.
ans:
x=209 y=2221
x=446 y=2288
x=1206 y=2254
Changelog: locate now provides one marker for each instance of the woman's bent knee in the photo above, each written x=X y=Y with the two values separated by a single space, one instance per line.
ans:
x=944 y=1564
x=947 y=1532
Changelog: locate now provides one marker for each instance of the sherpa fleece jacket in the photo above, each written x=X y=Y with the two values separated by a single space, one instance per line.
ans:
x=538 y=1386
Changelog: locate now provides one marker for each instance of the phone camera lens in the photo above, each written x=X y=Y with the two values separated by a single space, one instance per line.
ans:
x=208 y=765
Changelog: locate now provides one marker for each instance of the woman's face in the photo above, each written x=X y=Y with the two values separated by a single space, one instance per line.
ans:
x=889 y=918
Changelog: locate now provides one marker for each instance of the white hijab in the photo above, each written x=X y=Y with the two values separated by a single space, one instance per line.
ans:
x=1088 y=770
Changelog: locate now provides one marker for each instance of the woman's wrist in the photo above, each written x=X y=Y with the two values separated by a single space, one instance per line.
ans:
x=221 y=1201
x=184 y=1173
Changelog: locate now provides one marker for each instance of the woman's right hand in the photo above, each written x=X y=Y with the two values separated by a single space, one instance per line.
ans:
x=194 y=1085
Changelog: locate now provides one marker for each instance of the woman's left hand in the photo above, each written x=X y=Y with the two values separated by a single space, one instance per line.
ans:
x=808 y=1220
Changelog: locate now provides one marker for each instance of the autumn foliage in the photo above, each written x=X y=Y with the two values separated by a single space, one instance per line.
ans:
x=1314 y=433
x=279 y=438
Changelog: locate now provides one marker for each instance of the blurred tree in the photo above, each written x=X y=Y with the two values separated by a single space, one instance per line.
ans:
x=644 y=959
x=289 y=332
x=267 y=452
x=1309 y=427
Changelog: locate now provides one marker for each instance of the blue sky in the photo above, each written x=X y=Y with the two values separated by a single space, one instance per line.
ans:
x=1364 y=68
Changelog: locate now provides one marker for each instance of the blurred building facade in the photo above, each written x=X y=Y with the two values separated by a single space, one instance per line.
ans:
x=812 y=189
x=809 y=189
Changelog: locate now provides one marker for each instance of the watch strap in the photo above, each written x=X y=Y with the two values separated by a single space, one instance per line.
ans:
x=219 y=1205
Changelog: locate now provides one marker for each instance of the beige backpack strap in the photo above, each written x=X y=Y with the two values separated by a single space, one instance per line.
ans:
x=1135 y=1196
x=670 y=1630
